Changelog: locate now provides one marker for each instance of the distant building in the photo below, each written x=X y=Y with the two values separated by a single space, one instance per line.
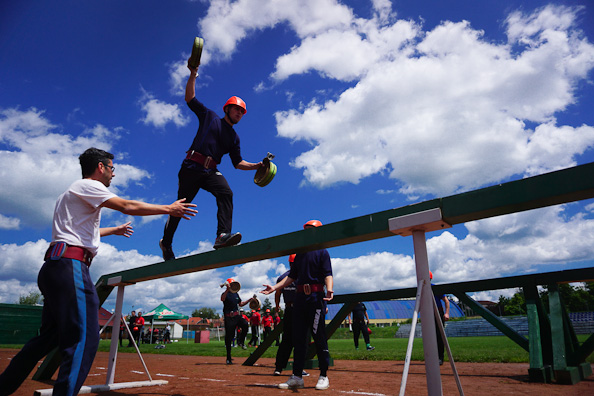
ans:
x=385 y=313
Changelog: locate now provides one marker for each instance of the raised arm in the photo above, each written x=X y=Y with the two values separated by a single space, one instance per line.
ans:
x=191 y=84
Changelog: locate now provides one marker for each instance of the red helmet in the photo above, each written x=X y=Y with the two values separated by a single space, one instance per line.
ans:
x=230 y=280
x=292 y=258
x=267 y=310
x=430 y=275
x=313 y=223
x=235 y=100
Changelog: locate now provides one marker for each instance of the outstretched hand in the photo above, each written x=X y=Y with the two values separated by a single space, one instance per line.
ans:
x=268 y=289
x=329 y=295
x=124 y=229
x=181 y=209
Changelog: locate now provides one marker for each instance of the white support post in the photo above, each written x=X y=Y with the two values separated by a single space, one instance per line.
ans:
x=411 y=338
x=427 y=317
x=417 y=224
x=115 y=336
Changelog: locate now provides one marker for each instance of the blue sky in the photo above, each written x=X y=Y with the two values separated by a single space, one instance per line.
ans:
x=367 y=105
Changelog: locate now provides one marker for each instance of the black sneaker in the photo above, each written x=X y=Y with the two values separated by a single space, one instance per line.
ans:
x=227 y=239
x=229 y=361
x=167 y=251
x=370 y=348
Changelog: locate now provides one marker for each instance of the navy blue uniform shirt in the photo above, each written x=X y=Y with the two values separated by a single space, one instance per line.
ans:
x=231 y=303
x=311 y=268
x=359 y=312
x=215 y=137
x=288 y=291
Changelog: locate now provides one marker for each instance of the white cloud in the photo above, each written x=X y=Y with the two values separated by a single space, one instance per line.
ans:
x=228 y=22
x=444 y=111
x=159 y=113
x=9 y=223
x=42 y=161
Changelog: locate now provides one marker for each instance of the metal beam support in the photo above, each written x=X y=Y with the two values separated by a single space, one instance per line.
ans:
x=563 y=372
x=494 y=320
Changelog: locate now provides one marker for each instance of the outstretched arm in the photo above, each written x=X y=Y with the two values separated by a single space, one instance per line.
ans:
x=137 y=208
x=244 y=165
x=123 y=229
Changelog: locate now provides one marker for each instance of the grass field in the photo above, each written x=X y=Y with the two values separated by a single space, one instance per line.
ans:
x=464 y=349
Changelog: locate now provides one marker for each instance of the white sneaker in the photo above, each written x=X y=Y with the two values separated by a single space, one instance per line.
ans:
x=323 y=383
x=293 y=382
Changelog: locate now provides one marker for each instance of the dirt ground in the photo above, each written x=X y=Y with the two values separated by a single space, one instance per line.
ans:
x=195 y=375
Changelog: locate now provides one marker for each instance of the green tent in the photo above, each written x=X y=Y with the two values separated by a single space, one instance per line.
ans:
x=162 y=312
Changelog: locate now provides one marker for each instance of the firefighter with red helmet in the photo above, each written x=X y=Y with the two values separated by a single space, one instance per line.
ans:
x=312 y=274
x=215 y=138
x=267 y=322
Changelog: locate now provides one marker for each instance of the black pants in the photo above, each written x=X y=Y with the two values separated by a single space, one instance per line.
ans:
x=190 y=182
x=440 y=345
x=286 y=346
x=360 y=327
x=310 y=316
x=267 y=331
x=231 y=323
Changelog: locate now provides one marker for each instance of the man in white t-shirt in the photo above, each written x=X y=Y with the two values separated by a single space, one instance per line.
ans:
x=69 y=319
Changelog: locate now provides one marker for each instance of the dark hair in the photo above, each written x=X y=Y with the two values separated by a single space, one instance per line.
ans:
x=89 y=160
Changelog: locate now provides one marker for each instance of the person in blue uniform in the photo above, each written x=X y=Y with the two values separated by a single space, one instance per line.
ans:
x=233 y=318
x=360 y=324
x=69 y=318
x=286 y=345
x=215 y=138
x=312 y=274
x=444 y=316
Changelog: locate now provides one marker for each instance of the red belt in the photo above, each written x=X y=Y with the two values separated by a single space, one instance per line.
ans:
x=231 y=314
x=73 y=252
x=308 y=289
x=206 y=161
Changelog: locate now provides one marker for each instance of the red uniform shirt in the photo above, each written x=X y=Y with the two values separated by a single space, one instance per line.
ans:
x=255 y=319
x=267 y=321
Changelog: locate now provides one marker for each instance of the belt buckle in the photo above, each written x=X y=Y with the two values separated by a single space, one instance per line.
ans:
x=307 y=289
x=207 y=162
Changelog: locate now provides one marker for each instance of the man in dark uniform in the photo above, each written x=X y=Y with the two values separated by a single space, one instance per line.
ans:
x=131 y=325
x=233 y=319
x=69 y=320
x=215 y=138
x=360 y=324
x=311 y=272
x=286 y=345
x=444 y=317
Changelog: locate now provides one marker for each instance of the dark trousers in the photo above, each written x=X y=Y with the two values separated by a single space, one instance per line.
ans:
x=309 y=316
x=69 y=321
x=360 y=327
x=440 y=345
x=267 y=331
x=231 y=323
x=190 y=182
x=286 y=346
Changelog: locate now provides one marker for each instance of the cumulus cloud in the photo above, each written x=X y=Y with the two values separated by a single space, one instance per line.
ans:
x=42 y=161
x=450 y=101
x=453 y=104
x=159 y=113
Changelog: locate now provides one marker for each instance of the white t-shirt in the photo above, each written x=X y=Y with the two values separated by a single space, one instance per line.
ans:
x=77 y=214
